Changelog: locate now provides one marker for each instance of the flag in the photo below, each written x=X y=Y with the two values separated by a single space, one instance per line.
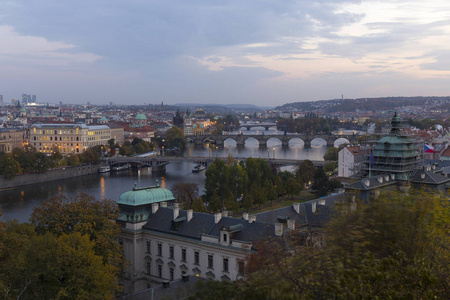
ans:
x=371 y=159
x=428 y=149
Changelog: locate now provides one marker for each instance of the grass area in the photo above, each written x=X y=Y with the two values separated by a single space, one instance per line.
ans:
x=286 y=200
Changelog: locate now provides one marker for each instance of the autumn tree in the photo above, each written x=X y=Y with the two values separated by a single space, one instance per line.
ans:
x=86 y=215
x=394 y=248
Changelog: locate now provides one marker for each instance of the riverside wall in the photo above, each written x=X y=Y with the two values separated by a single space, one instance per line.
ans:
x=50 y=175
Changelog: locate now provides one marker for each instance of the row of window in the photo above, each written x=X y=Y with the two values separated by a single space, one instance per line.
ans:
x=184 y=256
x=61 y=138
x=55 y=131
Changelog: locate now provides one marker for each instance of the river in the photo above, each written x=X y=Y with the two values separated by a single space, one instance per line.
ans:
x=18 y=203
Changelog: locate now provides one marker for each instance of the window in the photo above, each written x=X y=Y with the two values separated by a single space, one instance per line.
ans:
x=171 y=274
x=159 y=249
x=241 y=266
x=210 y=261
x=224 y=237
x=183 y=254
x=225 y=264
x=148 y=247
x=171 y=252
x=159 y=271
x=196 y=258
x=149 y=265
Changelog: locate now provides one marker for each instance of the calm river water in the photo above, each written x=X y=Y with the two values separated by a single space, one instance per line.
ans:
x=18 y=203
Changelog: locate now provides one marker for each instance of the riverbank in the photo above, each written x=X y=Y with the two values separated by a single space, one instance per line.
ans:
x=50 y=175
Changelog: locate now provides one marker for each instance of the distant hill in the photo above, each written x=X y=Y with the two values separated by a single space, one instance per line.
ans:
x=232 y=107
x=366 y=104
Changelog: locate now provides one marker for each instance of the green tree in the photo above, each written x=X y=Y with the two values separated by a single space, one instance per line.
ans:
x=175 y=138
x=305 y=171
x=331 y=154
x=321 y=183
x=293 y=187
x=9 y=167
x=198 y=205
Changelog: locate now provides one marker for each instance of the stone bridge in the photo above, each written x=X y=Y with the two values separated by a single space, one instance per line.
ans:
x=158 y=163
x=262 y=139
x=266 y=126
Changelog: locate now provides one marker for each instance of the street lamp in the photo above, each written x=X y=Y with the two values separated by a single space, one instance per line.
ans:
x=268 y=153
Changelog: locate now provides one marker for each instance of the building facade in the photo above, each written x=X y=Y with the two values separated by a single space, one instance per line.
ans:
x=11 y=138
x=349 y=161
x=68 y=138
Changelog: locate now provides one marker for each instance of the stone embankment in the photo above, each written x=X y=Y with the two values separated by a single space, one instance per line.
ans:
x=50 y=175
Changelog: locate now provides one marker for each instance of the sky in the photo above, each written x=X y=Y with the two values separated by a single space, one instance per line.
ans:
x=262 y=52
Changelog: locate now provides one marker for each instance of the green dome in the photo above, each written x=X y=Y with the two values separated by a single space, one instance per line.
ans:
x=145 y=195
x=141 y=117
x=103 y=119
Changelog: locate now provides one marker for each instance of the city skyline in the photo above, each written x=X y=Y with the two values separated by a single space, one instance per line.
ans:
x=267 y=54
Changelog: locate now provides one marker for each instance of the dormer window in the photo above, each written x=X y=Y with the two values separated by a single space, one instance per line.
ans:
x=224 y=237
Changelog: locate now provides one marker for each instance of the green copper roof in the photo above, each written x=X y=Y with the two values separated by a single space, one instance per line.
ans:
x=103 y=119
x=145 y=195
x=141 y=117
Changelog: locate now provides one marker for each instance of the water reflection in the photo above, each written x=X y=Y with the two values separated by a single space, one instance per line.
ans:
x=19 y=203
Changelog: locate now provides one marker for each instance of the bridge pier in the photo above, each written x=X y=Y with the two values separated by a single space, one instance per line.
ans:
x=159 y=169
x=307 y=144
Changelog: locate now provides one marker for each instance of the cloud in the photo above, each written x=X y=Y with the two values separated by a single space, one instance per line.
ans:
x=33 y=50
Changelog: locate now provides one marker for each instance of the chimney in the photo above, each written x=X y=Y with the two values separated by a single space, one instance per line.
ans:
x=164 y=204
x=278 y=229
x=296 y=207
x=155 y=207
x=190 y=213
x=313 y=205
x=291 y=224
x=225 y=213
x=176 y=210
x=251 y=219
x=245 y=216
x=217 y=217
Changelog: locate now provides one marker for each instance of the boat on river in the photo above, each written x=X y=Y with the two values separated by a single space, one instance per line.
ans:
x=120 y=168
x=198 y=169
x=104 y=169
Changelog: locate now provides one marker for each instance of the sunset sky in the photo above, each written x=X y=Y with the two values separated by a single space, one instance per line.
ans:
x=258 y=52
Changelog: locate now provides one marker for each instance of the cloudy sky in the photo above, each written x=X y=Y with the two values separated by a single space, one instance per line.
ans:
x=263 y=52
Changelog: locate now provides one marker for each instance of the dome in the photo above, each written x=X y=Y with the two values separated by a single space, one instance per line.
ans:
x=145 y=195
x=141 y=117
x=103 y=119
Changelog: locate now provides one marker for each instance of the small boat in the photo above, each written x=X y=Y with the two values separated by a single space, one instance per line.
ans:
x=104 y=169
x=122 y=167
x=198 y=169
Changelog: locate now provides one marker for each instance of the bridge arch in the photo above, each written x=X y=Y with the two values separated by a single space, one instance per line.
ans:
x=249 y=138
x=341 y=141
x=229 y=141
x=273 y=141
x=319 y=141
x=296 y=141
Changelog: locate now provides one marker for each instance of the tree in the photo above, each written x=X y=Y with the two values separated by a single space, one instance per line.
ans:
x=321 y=183
x=9 y=167
x=305 y=171
x=86 y=215
x=185 y=193
x=198 y=205
x=331 y=154
x=175 y=138
x=293 y=187
x=394 y=248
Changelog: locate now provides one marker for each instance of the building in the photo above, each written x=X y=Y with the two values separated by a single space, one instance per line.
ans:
x=11 y=138
x=350 y=160
x=395 y=153
x=68 y=138
x=163 y=242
